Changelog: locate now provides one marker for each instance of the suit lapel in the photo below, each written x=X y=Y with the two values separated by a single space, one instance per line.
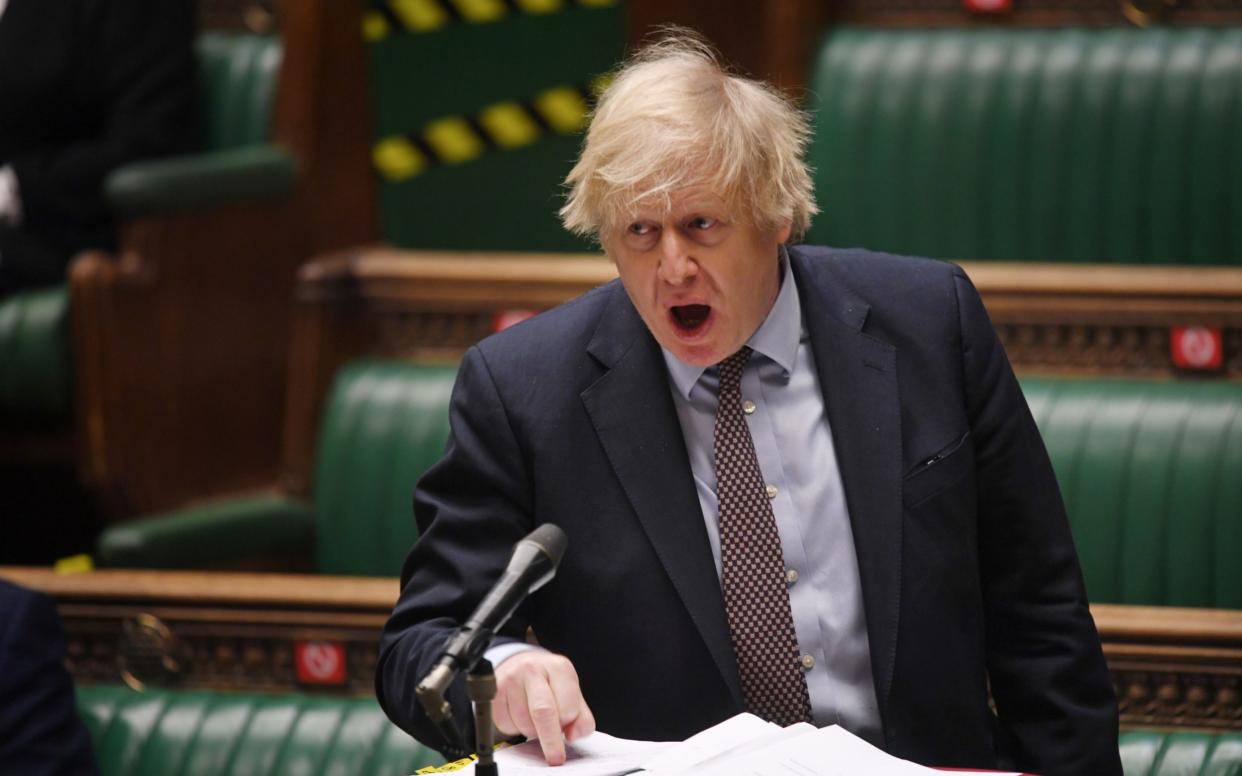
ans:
x=858 y=375
x=633 y=414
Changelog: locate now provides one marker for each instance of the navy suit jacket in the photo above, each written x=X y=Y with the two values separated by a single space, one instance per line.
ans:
x=969 y=574
x=41 y=733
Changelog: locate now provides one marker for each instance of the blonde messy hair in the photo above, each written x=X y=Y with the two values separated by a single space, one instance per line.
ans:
x=673 y=118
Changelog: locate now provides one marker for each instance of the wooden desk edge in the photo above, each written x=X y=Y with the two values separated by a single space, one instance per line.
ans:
x=1115 y=622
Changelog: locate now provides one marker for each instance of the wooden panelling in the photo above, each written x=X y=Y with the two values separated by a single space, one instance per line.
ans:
x=773 y=41
x=1038 y=13
x=222 y=631
x=777 y=40
x=1052 y=318
x=1172 y=667
x=182 y=338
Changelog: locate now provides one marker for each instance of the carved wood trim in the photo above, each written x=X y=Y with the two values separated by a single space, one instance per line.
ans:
x=221 y=631
x=1038 y=13
x=1052 y=318
x=1173 y=667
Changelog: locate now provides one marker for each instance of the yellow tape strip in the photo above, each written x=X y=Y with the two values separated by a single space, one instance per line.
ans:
x=74 y=564
x=503 y=125
x=420 y=16
x=456 y=765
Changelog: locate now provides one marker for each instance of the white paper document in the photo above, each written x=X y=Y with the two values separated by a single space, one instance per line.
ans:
x=744 y=745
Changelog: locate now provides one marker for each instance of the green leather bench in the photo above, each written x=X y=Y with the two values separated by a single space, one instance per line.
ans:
x=1151 y=753
x=238 y=75
x=1144 y=467
x=34 y=356
x=1060 y=145
x=1151 y=473
x=384 y=424
x=201 y=733
x=196 y=733
x=1148 y=470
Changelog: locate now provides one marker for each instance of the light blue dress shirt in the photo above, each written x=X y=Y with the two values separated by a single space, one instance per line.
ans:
x=784 y=409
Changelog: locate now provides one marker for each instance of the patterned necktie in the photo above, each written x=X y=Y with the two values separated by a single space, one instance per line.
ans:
x=752 y=567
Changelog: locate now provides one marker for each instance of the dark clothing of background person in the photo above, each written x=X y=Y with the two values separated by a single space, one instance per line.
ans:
x=85 y=87
x=40 y=730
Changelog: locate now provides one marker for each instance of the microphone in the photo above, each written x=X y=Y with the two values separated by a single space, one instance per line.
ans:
x=532 y=565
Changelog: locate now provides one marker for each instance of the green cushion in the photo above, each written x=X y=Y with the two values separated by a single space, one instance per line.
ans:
x=1077 y=145
x=34 y=362
x=196 y=733
x=275 y=529
x=1149 y=753
x=200 y=181
x=238 y=73
x=1149 y=472
x=385 y=424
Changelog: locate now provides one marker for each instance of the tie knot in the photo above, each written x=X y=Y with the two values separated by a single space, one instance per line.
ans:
x=731 y=369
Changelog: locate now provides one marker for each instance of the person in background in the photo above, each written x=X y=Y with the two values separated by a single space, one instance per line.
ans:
x=85 y=87
x=41 y=733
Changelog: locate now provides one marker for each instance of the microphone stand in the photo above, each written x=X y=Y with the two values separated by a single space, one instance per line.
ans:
x=481 y=686
x=532 y=564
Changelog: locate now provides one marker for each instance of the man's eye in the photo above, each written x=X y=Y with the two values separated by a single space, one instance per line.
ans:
x=639 y=228
x=702 y=222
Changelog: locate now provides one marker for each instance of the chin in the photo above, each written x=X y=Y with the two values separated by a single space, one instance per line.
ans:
x=698 y=355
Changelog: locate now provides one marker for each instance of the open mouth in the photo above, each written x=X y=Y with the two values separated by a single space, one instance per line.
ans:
x=690 y=317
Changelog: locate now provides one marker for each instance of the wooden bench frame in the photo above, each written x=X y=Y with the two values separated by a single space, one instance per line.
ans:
x=1173 y=667
x=1060 y=319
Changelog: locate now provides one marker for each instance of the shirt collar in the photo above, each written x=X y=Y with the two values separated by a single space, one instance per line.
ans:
x=777 y=337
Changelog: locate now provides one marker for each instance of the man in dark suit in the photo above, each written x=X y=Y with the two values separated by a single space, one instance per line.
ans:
x=798 y=481
x=40 y=730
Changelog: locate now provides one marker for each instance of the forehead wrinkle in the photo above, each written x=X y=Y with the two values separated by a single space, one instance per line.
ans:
x=700 y=199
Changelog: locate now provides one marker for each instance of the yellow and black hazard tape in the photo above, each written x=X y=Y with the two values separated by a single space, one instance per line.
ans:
x=501 y=126
x=418 y=16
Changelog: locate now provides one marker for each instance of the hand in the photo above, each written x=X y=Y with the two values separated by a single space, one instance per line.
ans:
x=537 y=696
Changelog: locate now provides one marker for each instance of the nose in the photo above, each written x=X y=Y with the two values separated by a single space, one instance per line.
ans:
x=677 y=266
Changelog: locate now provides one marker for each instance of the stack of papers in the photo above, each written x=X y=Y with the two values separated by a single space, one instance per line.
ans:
x=744 y=745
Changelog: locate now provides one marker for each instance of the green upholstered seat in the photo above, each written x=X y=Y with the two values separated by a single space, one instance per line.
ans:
x=238 y=77
x=35 y=376
x=1075 y=145
x=1151 y=473
x=1150 y=753
x=200 y=733
x=384 y=423
x=195 y=733
x=238 y=74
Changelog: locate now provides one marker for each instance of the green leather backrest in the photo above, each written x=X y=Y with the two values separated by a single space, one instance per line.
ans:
x=238 y=73
x=201 y=733
x=385 y=424
x=1076 y=145
x=34 y=362
x=1149 y=753
x=1151 y=473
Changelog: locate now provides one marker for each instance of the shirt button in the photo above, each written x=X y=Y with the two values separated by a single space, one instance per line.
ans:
x=748 y=407
x=791 y=576
x=808 y=662
x=772 y=491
